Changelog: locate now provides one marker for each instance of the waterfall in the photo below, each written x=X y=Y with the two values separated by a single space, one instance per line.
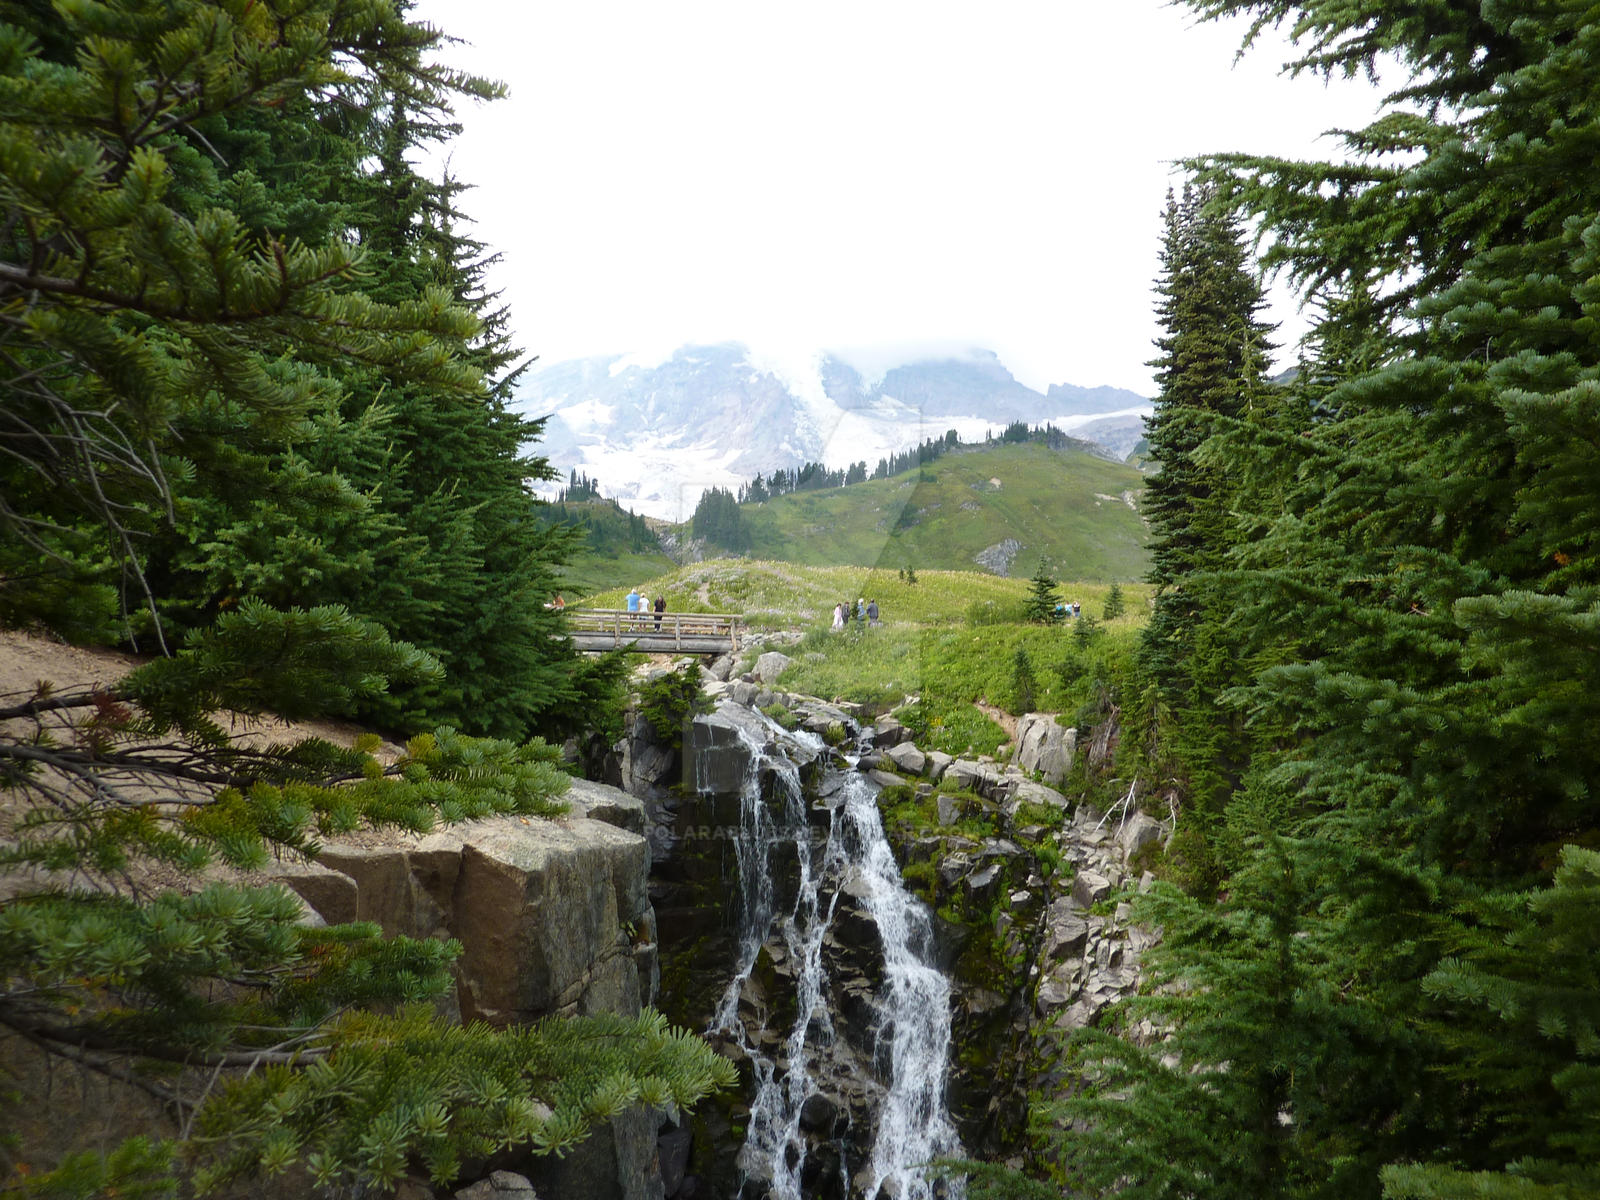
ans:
x=906 y=1075
x=913 y=1123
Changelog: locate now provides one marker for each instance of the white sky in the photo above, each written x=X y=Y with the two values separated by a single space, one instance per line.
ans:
x=836 y=174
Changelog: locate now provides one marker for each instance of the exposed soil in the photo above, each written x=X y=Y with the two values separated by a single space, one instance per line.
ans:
x=999 y=716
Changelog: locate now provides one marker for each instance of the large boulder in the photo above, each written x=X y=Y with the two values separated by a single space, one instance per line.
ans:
x=546 y=913
x=978 y=777
x=1045 y=746
x=717 y=755
x=612 y=805
x=1138 y=831
x=907 y=757
x=889 y=731
x=770 y=665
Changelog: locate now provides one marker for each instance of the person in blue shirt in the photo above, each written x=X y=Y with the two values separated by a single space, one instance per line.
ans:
x=633 y=601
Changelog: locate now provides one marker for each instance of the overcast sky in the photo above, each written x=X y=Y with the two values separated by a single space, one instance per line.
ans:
x=844 y=174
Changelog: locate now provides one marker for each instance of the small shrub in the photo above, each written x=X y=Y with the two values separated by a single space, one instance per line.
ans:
x=835 y=734
x=1115 y=605
x=668 y=702
x=781 y=714
x=1030 y=813
x=921 y=879
x=1024 y=687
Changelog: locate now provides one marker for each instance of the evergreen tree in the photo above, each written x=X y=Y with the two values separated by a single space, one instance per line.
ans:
x=1024 y=686
x=192 y=369
x=1043 y=602
x=1416 y=614
x=1210 y=373
x=718 y=520
x=1115 y=605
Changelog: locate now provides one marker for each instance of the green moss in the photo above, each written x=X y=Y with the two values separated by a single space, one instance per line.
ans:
x=781 y=714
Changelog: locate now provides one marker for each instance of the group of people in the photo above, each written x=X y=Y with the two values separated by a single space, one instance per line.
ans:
x=1070 y=609
x=639 y=603
x=866 y=613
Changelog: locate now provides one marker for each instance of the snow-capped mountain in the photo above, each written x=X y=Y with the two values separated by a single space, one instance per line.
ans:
x=657 y=434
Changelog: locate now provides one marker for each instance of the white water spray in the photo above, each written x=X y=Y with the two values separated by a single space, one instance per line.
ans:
x=912 y=1005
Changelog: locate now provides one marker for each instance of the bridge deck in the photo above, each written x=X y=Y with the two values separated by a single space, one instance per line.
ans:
x=668 y=633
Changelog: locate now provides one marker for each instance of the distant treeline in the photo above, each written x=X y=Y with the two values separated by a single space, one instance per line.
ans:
x=606 y=528
x=579 y=487
x=814 y=476
x=717 y=520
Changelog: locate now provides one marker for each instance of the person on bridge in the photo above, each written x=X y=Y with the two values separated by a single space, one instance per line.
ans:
x=633 y=600
x=661 y=607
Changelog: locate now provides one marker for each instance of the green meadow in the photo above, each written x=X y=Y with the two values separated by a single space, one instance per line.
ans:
x=949 y=642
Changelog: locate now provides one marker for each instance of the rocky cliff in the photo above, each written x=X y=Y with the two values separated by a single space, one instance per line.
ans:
x=554 y=918
x=1025 y=887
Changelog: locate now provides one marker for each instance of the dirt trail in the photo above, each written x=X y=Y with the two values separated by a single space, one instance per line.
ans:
x=999 y=716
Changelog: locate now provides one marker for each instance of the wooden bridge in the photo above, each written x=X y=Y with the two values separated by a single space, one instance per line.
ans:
x=652 y=633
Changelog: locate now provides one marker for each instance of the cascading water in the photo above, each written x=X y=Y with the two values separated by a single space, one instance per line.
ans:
x=913 y=1123
x=905 y=1074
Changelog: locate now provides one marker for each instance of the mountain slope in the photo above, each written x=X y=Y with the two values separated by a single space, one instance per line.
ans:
x=659 y=434
x=1073 y=511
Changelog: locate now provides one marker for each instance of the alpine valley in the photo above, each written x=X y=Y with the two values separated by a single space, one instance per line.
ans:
x=659 y=433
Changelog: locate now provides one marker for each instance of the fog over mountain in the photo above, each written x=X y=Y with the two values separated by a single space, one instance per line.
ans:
x=657 y=434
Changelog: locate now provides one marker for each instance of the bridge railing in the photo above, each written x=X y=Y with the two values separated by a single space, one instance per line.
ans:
x=685 y=630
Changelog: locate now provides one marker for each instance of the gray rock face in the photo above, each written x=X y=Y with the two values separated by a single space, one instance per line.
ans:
x=888 y=731
x=1025 y=791
x=612 y=805
x=1045 y=747
x=500 y=1185
x=979 y=777
x=907 y=757
x=1138 y=831
x=998 y=557
x=771 y=665
x=715 y=756
x=1089 y=888
x=616 y=1162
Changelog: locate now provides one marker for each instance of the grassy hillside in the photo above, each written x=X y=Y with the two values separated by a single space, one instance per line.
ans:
x=1071 y=511
x=614 y=546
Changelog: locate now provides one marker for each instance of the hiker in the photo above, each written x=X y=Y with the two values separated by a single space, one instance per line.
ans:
x=633 y=601
x=872 y=612
x=838 y=615
x=861 y=610
x=661 y=607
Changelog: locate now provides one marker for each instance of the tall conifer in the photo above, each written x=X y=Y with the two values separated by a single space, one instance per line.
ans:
x=1210 y=373
x=1419 y=592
